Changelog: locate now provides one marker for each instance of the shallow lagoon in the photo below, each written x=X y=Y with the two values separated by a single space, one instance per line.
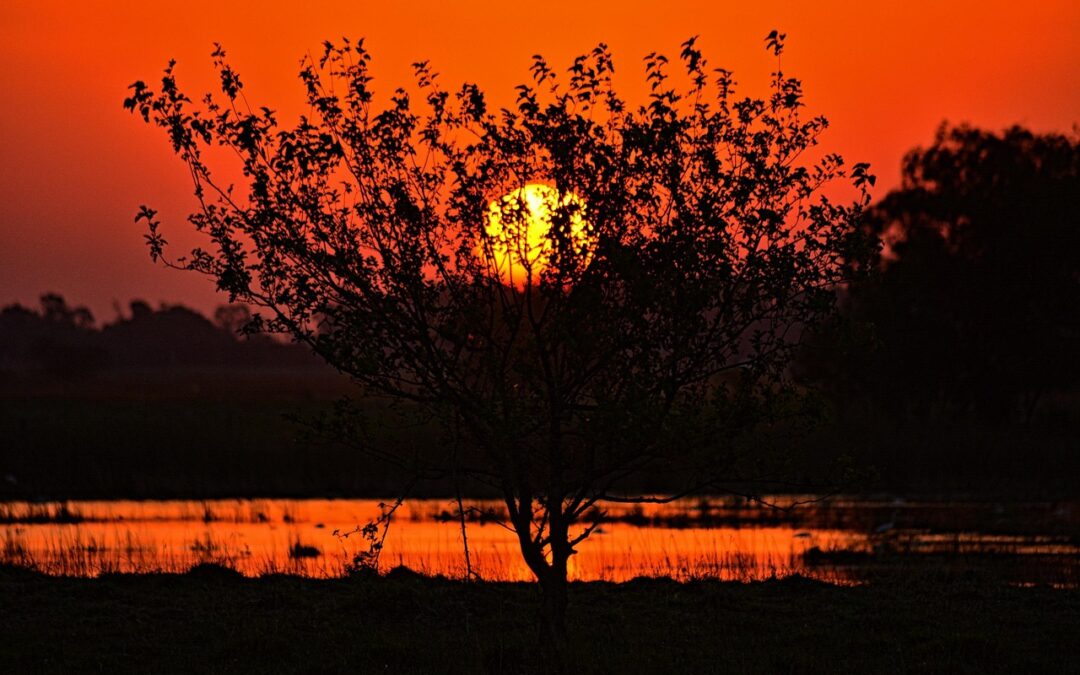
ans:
x=840 y=540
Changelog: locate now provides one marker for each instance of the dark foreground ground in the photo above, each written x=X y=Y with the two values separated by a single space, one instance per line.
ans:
x=211 y=620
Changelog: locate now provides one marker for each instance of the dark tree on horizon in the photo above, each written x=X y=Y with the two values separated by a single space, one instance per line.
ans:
x=58 y=338
x=691 y=243
x=976 y=310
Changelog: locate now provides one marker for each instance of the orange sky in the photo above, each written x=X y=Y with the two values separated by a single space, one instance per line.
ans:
x=76 y=166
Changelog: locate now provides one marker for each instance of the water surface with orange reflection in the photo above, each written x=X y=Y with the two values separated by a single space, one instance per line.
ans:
x=706 y=538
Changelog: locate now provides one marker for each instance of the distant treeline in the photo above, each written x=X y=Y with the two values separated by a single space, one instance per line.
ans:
x=61 y=340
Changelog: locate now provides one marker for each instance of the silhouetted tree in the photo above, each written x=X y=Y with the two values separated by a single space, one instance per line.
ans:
x=55 y=309
x=690 y=245
x=59 y=339
x=140 y=309
x=977 y=307
x=170 y=336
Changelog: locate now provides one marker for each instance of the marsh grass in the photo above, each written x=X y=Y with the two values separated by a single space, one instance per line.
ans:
x=76 y=554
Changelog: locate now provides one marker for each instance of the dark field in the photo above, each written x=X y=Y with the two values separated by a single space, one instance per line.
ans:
x=169 y=434
x=212 y=620
x=205 y=434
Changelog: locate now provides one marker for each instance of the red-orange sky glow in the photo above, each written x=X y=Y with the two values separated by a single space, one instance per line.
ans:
x=76 y=166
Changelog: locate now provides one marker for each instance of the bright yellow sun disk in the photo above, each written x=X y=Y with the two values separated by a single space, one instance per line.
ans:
x=518 y=245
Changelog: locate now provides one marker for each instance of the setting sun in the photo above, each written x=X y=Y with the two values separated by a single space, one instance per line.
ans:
x=518 y=243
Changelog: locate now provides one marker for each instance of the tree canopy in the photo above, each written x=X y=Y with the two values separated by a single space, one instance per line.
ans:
x=975 y=310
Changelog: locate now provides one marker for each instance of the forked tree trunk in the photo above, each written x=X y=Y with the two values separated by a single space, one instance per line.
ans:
x=551 y=575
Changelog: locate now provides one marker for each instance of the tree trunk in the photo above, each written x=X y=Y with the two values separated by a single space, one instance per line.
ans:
x=553 y=640
x=551 y=576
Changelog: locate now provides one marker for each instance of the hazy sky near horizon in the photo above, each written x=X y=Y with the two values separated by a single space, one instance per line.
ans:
x=76 y=166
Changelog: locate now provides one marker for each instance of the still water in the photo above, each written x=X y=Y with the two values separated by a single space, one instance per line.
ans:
x=704 y=538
